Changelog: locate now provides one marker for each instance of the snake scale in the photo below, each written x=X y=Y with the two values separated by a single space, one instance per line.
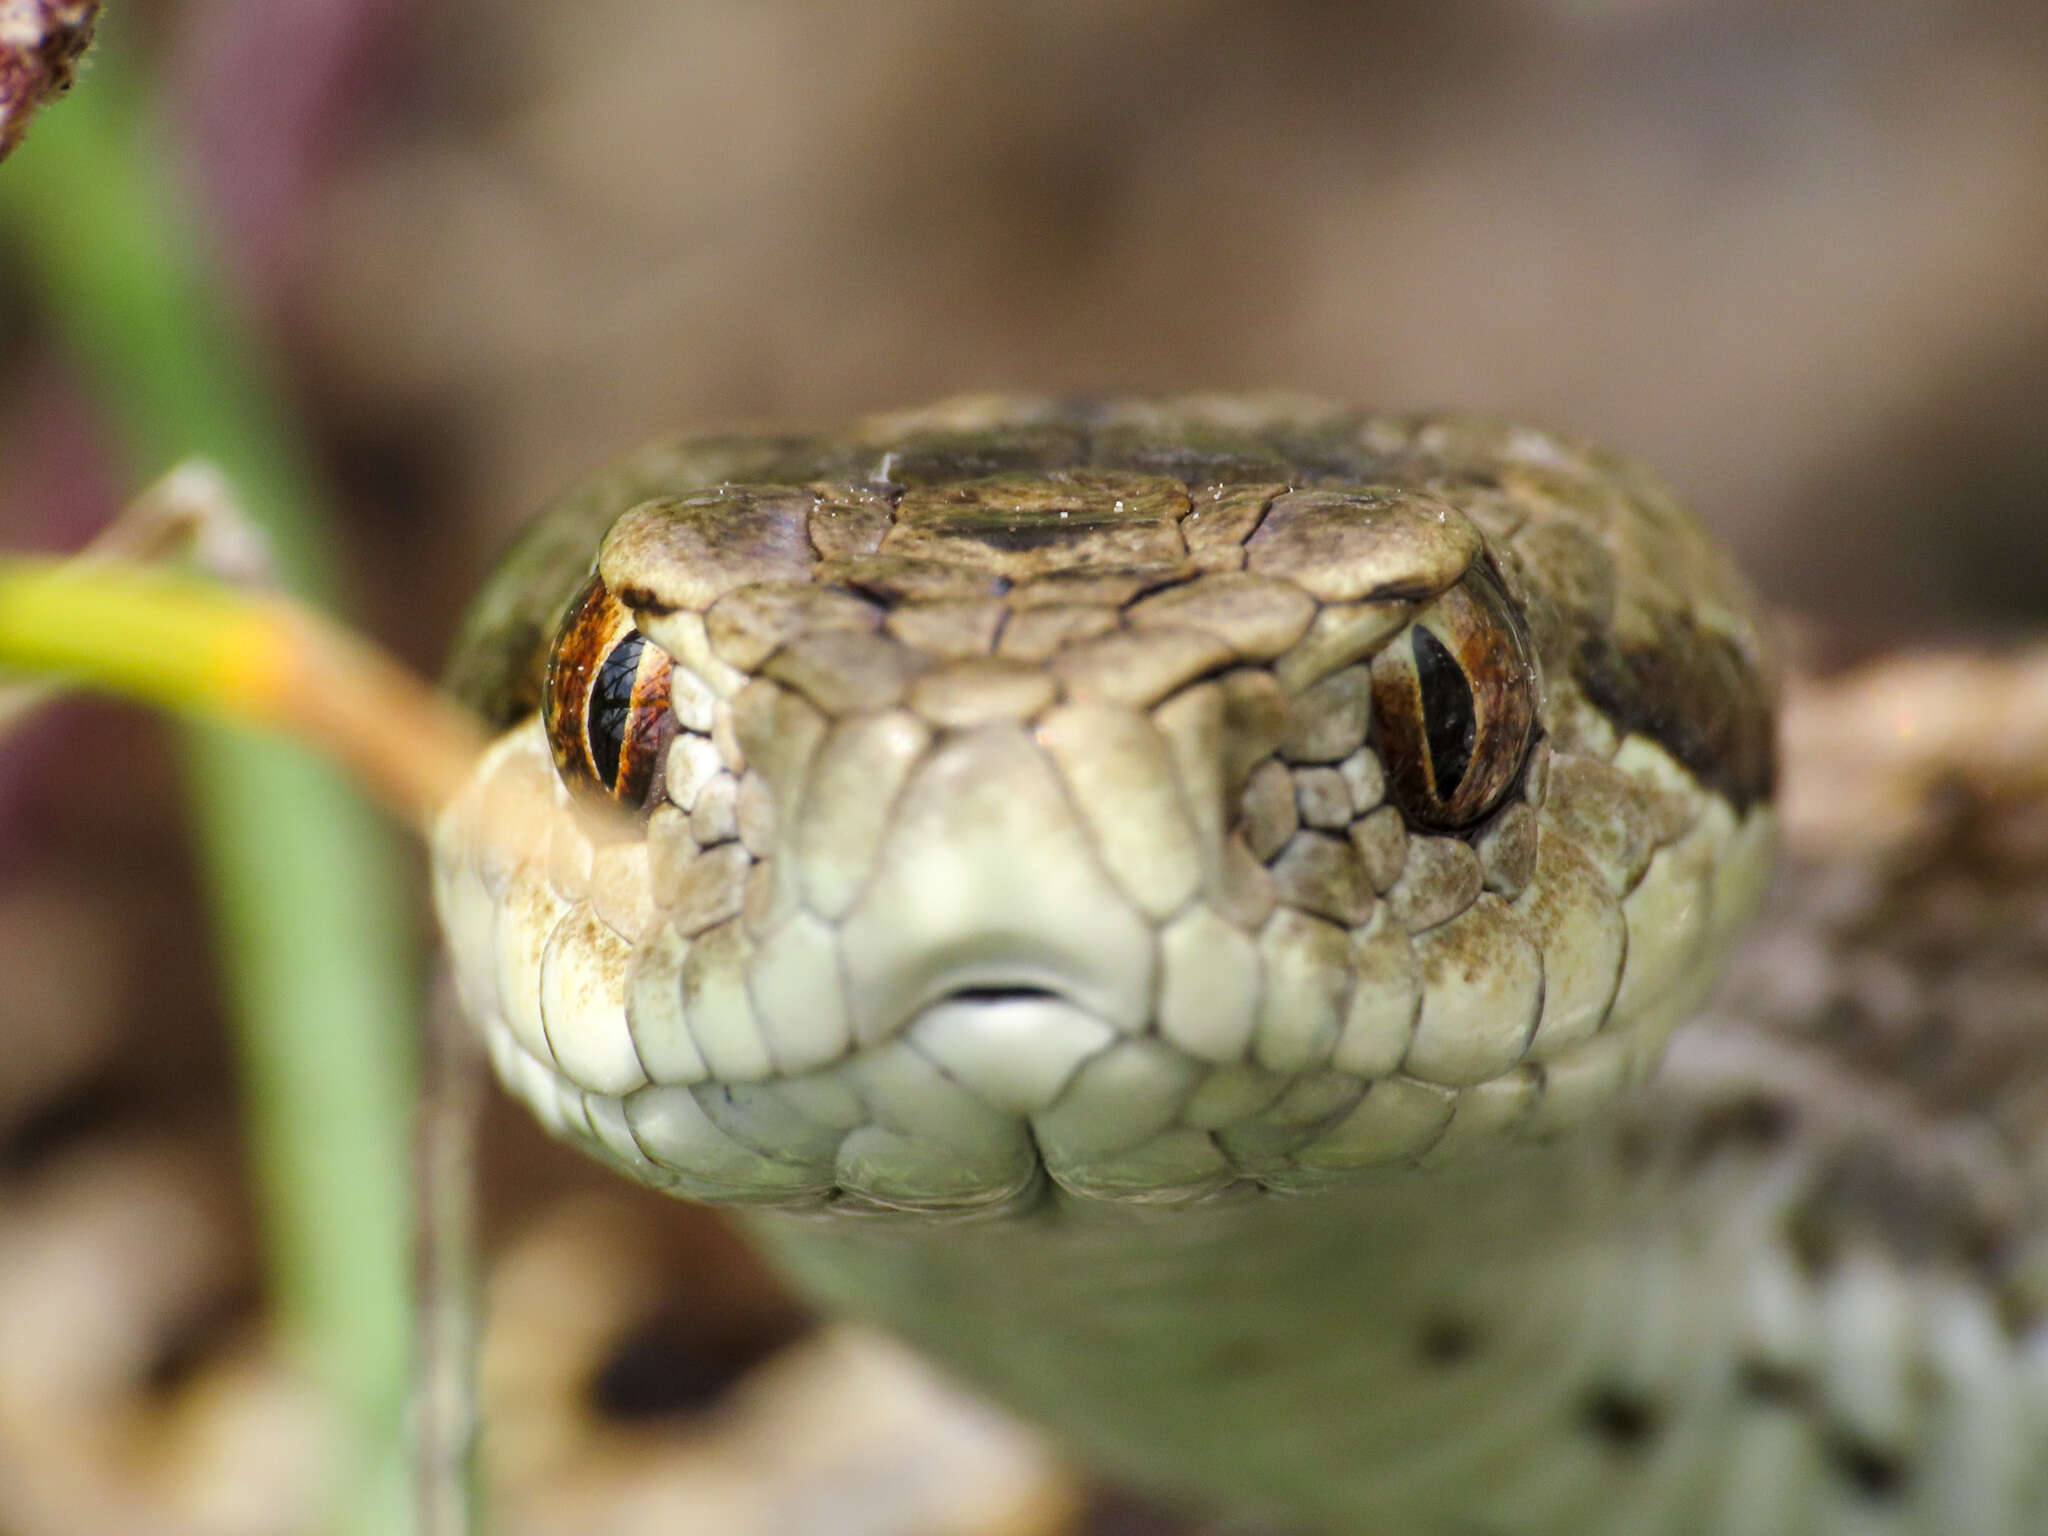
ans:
x=1177 y=909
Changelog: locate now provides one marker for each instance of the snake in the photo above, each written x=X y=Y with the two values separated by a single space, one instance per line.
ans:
x=1182 y=910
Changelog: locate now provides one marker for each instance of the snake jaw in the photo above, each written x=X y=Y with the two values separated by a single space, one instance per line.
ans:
x=1076 y=823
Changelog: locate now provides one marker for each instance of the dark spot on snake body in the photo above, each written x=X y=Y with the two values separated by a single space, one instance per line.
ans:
x=1874 y=1471
x=1622 y=1418
x=1815 y=1245
x=1768 y=1382
x=1754 y=1122
x=1448 y=1341
x=1634 y=1145
x=1695 y=694
x=670 y=1364
x=1915 y=1211
x=2019 y=1312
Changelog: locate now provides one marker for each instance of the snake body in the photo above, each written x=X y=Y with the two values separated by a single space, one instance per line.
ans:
x=1170 y=907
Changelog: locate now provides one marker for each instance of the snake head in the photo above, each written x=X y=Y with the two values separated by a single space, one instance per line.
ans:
x=1143 y=802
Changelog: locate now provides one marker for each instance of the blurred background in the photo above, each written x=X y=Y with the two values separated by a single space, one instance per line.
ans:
x=1793 y=256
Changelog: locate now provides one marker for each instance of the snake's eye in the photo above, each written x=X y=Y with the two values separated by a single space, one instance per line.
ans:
x=1454 y=697
x=606 y=705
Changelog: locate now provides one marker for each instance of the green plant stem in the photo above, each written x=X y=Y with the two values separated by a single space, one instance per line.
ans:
x=311 y=903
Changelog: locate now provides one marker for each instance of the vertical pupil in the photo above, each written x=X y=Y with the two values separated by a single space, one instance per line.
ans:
x=611 y=706
x=1449 y=723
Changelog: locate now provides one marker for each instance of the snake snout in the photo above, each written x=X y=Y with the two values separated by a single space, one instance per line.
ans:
x=987 y=879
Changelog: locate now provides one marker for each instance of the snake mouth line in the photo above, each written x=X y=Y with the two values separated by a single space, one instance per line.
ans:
x=1013 y=982
x=1002 y=994
x=1002 y=1007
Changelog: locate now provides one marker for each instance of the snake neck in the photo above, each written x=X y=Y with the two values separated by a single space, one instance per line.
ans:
x=1619 y=1335
x=1189 y=1350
